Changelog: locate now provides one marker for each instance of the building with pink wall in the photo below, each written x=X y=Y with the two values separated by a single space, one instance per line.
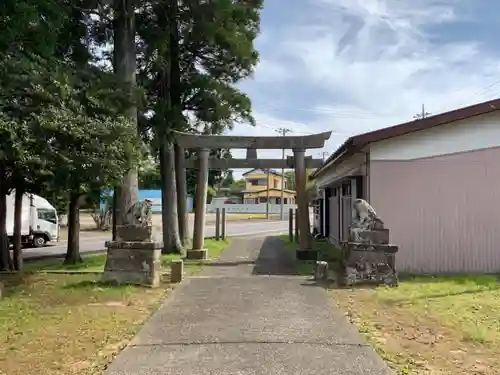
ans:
x=435 y=182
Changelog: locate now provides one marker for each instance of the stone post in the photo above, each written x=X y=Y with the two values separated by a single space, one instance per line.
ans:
x=296 y=227
x=198 y=252
x=217 y=224
x=305 y=250
x=176 y=271
x=223 y=222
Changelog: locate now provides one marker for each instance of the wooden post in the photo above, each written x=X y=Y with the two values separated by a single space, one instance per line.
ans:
x=217 y=224
x=296 y=216
x=223 y=223
x=290 y=225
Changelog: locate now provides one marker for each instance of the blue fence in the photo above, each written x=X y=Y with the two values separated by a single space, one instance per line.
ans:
x=155 y=197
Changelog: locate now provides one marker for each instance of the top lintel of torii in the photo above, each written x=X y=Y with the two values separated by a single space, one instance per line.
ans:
x=187 y=140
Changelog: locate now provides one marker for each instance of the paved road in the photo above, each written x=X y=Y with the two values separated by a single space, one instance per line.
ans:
x=275 y=323
x=95 y=243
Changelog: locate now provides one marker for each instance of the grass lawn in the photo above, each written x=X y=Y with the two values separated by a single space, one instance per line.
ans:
x=95 y=263
x=55 y=324
x=431 y=325
x=326 y=252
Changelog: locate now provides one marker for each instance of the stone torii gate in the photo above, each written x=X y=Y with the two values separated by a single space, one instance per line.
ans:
x=203 y=144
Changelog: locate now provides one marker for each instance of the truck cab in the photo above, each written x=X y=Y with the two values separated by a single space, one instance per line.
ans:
x=39 y=220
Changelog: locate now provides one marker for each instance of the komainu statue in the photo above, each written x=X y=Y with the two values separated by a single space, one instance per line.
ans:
x=367 y=255
x=140 y=214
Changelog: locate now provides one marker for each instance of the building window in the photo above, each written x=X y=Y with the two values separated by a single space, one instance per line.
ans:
x=262 y=199
x=258 y=182
x=275 y=184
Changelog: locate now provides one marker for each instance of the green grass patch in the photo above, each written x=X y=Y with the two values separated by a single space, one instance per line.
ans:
x=431 y=325
x=326 y=252
x=96 y=262
x=63 y=324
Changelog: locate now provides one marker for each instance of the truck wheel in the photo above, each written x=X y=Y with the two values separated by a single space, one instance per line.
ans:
x=39 y=241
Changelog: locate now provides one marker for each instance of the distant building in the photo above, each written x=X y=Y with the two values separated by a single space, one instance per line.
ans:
x=260 y=181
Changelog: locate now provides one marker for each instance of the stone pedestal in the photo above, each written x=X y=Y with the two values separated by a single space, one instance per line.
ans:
x=136 y=263
x=197 y=254
x=134 y=258
x=134 y=233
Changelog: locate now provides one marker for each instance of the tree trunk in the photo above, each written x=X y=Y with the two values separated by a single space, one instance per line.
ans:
x=180 y=183
x=16 y=240
x=73 y=250
x=124 y=60
x=170 y=224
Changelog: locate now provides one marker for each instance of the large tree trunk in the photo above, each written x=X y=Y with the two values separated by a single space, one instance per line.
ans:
x=170 y=224
x=180 y=183
x=175 y=102
x=124 y=57
x=73 y=250
x=16 y=240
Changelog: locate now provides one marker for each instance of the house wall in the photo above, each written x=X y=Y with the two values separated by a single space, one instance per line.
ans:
x=274 y=181
x=437 y=194
x=466 y=135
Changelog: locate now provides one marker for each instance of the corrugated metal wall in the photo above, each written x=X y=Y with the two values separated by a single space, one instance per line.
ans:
x=442 y=211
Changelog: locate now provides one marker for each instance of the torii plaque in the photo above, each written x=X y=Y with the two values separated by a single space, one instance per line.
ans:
x=203 y=144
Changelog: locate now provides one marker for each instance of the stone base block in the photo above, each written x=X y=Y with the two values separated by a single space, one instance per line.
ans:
x=321 y=271
x=137 y=263
x=134 y=233
x=307 y=254
x=176 y=271
x=199 y=254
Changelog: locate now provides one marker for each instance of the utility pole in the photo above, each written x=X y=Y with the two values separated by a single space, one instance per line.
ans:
x=421 y=115
x=283 y=132
x=323 y=155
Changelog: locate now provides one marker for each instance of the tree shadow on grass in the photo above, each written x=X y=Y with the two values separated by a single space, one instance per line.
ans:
x=14 y=283
x=93 y=284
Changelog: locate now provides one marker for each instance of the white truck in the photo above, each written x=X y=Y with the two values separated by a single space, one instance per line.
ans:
x=39 y=221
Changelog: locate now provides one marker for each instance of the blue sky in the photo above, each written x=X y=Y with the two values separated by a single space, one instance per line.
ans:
x=352 y=66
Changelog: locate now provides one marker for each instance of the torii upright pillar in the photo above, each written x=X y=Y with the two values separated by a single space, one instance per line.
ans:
x=198 y=251
x=305 y=251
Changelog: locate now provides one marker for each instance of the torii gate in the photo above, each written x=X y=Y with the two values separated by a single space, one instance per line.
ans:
x=203 y=144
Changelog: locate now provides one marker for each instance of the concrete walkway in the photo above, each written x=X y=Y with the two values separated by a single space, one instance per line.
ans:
x=249 y=314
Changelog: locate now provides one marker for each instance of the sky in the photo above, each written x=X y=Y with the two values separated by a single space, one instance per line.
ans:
x=352 y=66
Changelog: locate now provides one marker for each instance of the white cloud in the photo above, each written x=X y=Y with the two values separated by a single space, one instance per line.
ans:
x=372 y=63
